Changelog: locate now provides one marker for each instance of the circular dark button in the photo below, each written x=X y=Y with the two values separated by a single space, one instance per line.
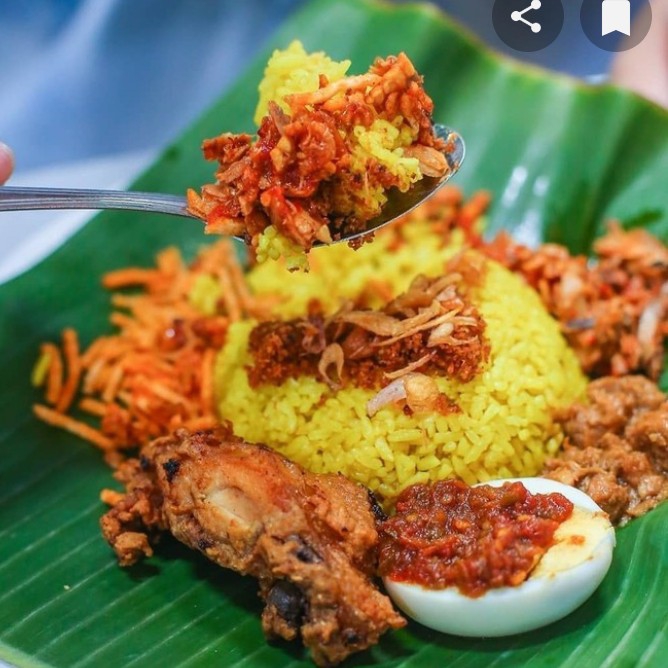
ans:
x=608 y=23
x=528 y=25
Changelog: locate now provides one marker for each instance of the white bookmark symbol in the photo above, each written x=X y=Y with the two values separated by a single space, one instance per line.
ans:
x=616 y=17
x=519 y=16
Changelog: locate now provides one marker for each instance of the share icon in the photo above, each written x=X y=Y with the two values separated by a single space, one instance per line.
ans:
x=530 y=25
x=519 y=16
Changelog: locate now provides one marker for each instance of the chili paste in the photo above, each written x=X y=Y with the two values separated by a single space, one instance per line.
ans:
x=474 y=538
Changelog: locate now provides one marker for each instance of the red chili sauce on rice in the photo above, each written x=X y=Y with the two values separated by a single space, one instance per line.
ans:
x=473 y=538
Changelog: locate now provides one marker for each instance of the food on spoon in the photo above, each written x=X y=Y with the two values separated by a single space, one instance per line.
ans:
x=329 y=147
x=496 y=559
x=309 y=539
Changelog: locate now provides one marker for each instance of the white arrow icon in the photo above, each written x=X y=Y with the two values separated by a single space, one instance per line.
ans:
x=519 y=16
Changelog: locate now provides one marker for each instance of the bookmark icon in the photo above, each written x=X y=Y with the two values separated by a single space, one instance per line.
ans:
x=616 y=17
x=615 y=25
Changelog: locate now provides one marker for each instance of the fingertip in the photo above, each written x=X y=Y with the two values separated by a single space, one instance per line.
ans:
x=6 y=162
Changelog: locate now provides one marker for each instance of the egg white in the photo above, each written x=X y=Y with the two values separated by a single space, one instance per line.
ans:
x=571 y=572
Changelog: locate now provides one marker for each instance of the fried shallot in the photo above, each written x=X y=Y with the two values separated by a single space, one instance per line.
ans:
x=432 y=327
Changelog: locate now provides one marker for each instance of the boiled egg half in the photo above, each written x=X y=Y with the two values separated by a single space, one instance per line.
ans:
x=565 y=577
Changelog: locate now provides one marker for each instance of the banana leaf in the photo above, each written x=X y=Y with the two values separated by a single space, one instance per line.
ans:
x=560 y=157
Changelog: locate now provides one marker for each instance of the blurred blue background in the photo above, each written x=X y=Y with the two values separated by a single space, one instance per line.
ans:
x=82 y=79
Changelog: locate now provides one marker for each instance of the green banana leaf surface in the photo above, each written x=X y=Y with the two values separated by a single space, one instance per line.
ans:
x=561 y=158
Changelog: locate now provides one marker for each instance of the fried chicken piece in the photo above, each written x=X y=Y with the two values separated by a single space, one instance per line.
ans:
x=616 y=447
x=135 y=519
x=310 y=539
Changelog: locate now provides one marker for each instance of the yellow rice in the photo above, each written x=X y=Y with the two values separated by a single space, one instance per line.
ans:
x=293 y=70
x=504 y=427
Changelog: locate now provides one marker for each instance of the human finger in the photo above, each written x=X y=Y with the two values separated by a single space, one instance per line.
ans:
x=6 y=162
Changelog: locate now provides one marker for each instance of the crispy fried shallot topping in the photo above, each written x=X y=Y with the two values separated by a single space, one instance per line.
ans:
x=419 y=391
x=432 y=327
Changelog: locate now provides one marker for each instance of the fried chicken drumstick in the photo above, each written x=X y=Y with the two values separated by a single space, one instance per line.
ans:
x=309 y=539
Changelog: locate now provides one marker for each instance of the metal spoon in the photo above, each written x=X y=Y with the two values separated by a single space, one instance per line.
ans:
x=398 y=203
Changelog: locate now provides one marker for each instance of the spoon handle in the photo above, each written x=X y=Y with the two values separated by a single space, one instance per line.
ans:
x=27 y=199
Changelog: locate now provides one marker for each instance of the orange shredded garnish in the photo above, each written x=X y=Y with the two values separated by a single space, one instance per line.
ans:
x=54 y=379
x=156 y=373
x=93 y=406
x=207 y=389
x=73 y=360
x=80 y=429
x=129 y=277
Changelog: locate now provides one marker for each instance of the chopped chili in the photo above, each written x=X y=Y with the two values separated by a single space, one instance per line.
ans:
x=473 y=538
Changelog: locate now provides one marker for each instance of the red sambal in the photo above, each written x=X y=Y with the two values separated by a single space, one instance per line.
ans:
x=475 y=538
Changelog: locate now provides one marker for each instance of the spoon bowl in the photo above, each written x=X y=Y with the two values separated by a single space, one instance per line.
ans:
x=398 y=203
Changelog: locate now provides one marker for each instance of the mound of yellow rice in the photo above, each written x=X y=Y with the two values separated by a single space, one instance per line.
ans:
x=504 y=428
